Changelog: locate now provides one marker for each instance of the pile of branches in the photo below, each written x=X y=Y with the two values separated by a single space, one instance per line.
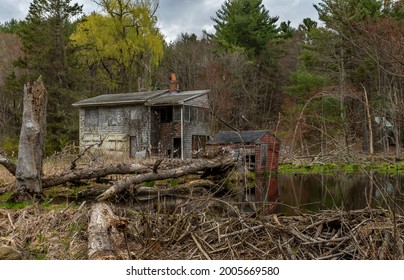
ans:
x=196 y=233
x=364 y=234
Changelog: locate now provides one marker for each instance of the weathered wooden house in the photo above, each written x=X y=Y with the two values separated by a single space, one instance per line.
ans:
x=259 y=149
x=164 y=123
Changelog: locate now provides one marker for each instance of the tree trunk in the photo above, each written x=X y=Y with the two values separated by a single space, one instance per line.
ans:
x=79 y=174
x=105 y=237
x=222 y=162
x=369 y=121
x=30 y=149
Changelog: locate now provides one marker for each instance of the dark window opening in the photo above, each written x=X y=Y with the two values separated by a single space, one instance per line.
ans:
x=250 y=162
x=166 y=114
x=198 y=145
x=177 y=147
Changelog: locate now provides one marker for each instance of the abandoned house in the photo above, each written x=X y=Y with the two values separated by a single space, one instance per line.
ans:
x=259 y=149
x=160 y=123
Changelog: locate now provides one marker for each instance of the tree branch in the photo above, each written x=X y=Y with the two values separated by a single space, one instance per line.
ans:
x=10 y=166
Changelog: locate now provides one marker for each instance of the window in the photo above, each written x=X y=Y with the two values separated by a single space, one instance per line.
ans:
x=198 y=145
x=177 y=114
x=166 y=114
x=264 y=154
x=91 y=117
x=194 y=114
x=187 y=113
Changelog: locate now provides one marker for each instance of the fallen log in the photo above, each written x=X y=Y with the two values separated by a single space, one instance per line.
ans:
x=79 y=174
x=222 y=162
x=10 y=166
x=105 y=237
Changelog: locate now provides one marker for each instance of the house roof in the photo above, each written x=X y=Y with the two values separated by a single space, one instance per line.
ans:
x=119 y=98
x=175 y=98
x=152 y=98
x=234 y=137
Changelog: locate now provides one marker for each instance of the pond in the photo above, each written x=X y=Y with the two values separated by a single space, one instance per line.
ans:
x=291 y=193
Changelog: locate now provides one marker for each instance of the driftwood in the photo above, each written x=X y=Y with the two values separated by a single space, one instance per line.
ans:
x=79 y=174
x=105 y=237
x=220 y=162
x=30 y=149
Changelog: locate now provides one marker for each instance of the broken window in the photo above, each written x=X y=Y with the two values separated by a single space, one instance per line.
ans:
x=166 y=114
x=115 y=117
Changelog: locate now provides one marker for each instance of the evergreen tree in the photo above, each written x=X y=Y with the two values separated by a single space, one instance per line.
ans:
x=244 y=24
x=45 y=39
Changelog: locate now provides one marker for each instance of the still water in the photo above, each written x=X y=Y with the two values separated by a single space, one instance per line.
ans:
x=289 y=194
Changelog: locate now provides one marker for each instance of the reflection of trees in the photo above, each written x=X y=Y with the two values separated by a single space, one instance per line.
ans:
x=347 y=191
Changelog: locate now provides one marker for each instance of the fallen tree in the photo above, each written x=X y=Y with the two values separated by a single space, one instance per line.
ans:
x=222 y=162
x=91 y=173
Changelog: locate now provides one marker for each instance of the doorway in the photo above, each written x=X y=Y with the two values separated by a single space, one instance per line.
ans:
x=176 y=147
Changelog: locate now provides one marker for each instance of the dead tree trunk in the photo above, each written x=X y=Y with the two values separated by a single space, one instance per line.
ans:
x=30 y=149
x=80 y=174
x=118 y=186
x=104 y=233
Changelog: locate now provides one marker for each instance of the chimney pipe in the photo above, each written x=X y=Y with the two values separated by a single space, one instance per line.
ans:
x=173 y=83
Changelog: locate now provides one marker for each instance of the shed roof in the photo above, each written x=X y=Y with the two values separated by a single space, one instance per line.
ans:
x=119 y=98
x=175 y=98
x=234 y=137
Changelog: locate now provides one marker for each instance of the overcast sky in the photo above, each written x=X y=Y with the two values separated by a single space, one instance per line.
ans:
x=184 y=16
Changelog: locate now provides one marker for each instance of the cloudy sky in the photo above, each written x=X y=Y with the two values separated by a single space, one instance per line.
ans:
x=184 y=16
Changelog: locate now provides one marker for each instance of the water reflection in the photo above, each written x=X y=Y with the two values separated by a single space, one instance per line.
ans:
x=343 y=191
x=263 y=197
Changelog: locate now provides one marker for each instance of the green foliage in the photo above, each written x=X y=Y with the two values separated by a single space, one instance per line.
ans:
x=120 y=42
x=10 y=145
x=150 y=184
x=245 y=25
x=305 y=83
x=12 y=26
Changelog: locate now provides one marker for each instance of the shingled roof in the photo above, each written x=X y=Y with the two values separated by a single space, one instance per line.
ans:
x=234 y=137
x=119 y=98
x=152 y=98
x=175 y=98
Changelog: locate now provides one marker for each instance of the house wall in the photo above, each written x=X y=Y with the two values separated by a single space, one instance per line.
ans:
x=193 y=128
x=115 y=126
x=272 y=154
x=162 y=134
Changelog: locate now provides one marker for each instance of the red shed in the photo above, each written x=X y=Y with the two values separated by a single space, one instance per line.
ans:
x=258 y=148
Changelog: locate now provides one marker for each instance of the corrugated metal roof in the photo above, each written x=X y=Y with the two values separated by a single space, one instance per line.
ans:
x=175 y=98
x=119 y=98
x=233 y=137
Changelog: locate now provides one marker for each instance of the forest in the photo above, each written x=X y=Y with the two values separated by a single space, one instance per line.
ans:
x=334 y=87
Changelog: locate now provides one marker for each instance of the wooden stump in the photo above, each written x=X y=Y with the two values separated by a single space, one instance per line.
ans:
x=105 y=237
x=30 y=150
